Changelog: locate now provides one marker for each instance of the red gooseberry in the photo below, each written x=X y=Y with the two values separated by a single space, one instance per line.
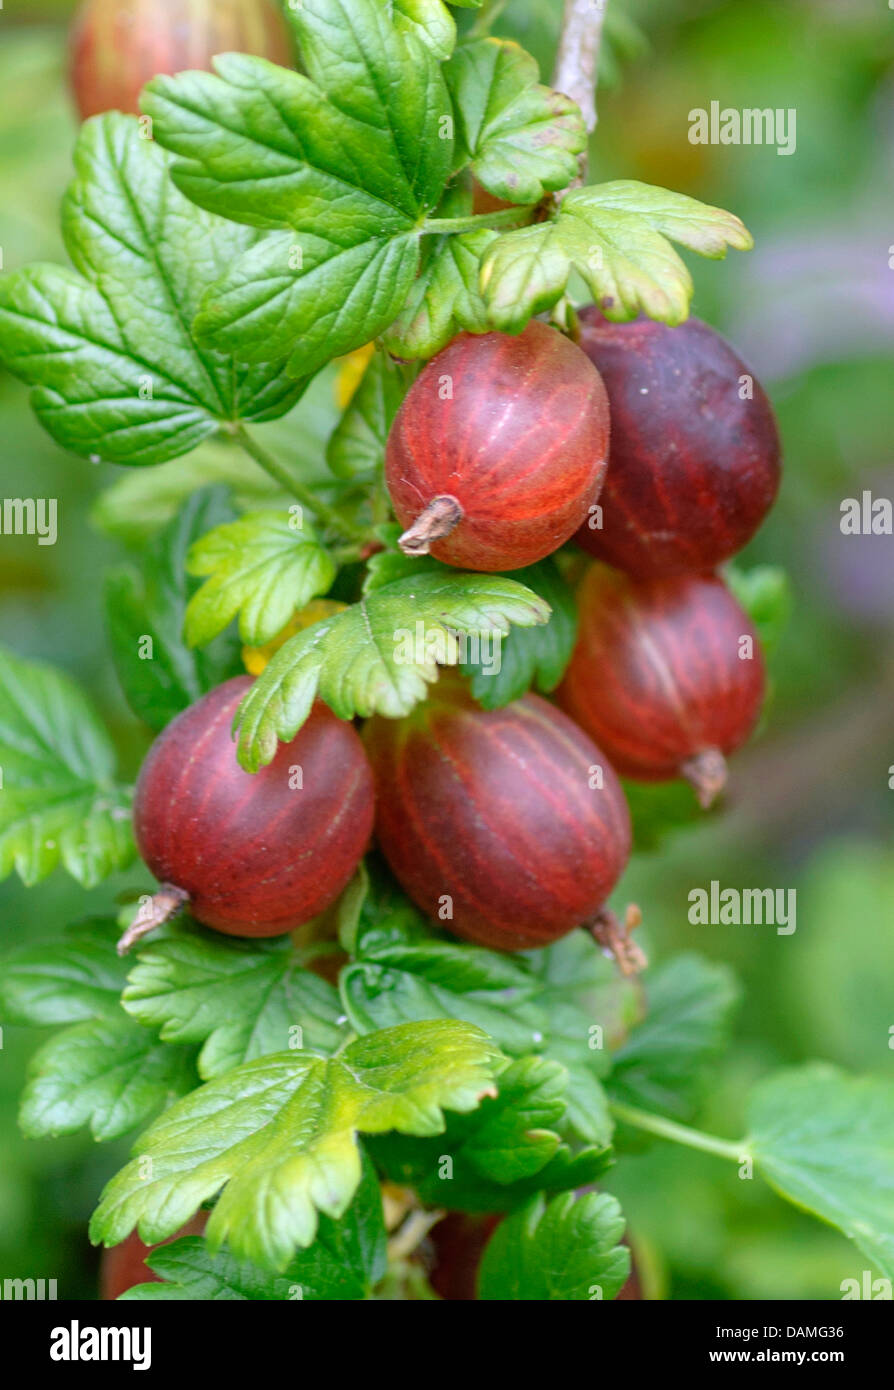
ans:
x=667 y=674
x=694 y=457
x=498 y=449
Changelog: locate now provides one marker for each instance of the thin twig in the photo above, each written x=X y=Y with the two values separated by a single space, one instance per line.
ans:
x=577 y=61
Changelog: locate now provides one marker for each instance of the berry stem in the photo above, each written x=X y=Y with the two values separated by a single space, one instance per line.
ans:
x=707 y=773
x=160 y=908
x=435 y=522
x=329 y=516
x=679 y=1134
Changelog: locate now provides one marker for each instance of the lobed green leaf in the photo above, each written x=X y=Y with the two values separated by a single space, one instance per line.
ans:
x=108 y=1073
x=343 y=164
x=264 y=566
x=60 y=801
x=495 y=1158
x=345 y=1262
x=617 y=237
x=239 y=999
x=825 y=1141
x=534 y=656
x=663 y=1063
x=522 y=140
x=70 y=980
x=565 y=1249
x=445 y=297
x=368 y=659
x=276 y=1137
x=564 y=1002
x=107 y=347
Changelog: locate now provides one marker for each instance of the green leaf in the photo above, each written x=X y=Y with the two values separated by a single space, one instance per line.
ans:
x=277 y=1138
x=444 y=298
x=145 y=613
x=547 y=1003
x=512 y=1137
x=430 y=21
x=108 y=1073
x=825 y=1141
x=531 y=656
x=59 y=800
x=240 y=999
x=662 y=1066
x=521 y=139
x=368 y=659
x=509 y=1148
x=766 y=595
x=565 y=1249
x=345 y=1261
x=584 y=1001
x=263 y=567
x=107 y=346
x=141 y=501
x=357 y=446
x=397 y=979
x=420 y=1164
x=67 y=981
x=617 y=237
x=344 y=162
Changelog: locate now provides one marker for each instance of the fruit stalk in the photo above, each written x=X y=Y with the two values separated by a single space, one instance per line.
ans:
x=663 y=1128
x=305 y=495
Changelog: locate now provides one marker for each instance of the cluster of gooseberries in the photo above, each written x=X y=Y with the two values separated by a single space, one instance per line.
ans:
x=655 y=451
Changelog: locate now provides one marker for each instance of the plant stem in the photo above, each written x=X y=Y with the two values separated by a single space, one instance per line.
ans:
x=305 y=495
x=504 y=217
x=577 y=61
x=680 y=1134
x=486 y=18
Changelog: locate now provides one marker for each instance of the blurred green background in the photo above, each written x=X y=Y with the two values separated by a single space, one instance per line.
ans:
x=812 y=310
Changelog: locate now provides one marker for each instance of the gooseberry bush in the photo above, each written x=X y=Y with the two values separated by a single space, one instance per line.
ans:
x=376 y=1027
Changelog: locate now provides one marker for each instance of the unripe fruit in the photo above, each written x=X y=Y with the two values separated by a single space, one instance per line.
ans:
x=498 y=449
x=693 y=468
x=116 y=46
x=256 y=854
x=494 y=821
x=667 y=674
